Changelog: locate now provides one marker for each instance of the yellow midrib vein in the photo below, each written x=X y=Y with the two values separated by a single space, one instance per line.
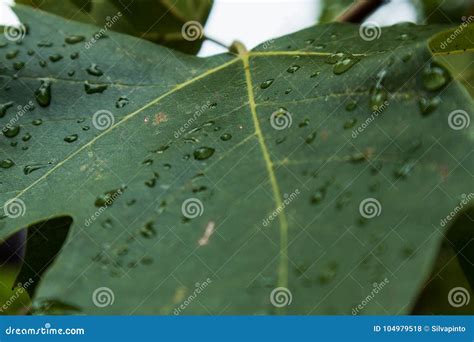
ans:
x=283 y=261
x=126 y=118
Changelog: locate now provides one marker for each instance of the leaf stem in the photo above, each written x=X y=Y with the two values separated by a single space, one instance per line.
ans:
x=360 y=10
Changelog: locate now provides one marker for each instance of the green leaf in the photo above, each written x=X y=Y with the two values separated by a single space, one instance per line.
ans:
x=158 y=21
x=438 y=11
x=272 y=207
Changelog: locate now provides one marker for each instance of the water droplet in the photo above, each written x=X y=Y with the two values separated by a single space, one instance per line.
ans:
x=26 y=137
x=12 y=54
x=33 y=167
x=71 y=73
x=93 y=88
x=378 y=94
x=74 y=39
x=435 y=77
x=55 y=58
x=428 y=105
x=108 y=197
x=318 y=196
x=94 y=70
x=203 y=153
x=345 y=64
x=43 y=93
x=358 y=157
x=350 y=123
x=314 y=74
x=71 y=138
x=6 y=163
x=334 y=58
x=287 y=91
x=310 y=138
x=18 y=65
x=4 y=107
x=44 y=43
x=280 y=140
x=267 y=83
x=37 y=122
x=226 y=137
x=86 y=128
x=147 y=162
x=74 y=55
x=42 y=64
x=405 y=170
x=148 y=231
x=406 y=57
x=122 y=102
x=304 y=123
x=406 y=36
x=351 y=105
x=292 y=69
x=11 y=131
x=167 y=166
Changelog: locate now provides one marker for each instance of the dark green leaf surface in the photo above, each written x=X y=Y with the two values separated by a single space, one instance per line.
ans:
x=201 y=129
x=159 y=21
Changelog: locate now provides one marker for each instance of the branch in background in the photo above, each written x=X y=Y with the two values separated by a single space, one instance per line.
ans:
x=360 y=10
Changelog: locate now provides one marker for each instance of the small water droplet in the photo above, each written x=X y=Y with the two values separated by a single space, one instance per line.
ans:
x=74 y=55
x=71 y=138
x=43 y=93
x=18 y=65
x=351 y=105
x=405 y=170
x=292 y=69
x=226 y=137
x=203 y=153
x=94 y=70
x=318 y=196
x=74 y=39
x=428 y=105
x=304 y=123
x=310 y=138
x=344 y=64
x=12 y=54
x=93 y=88
x=267 y=83
x=287 y=91
x=55 y=58
x=37 y=122
x=314 y=74
x=122 y=102
x=33 y=167
x=108 y=197
x=350 y=123
x=148 y=231
x=26 y=137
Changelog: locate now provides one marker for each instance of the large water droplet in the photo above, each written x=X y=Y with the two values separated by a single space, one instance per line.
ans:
x=11 y=131
x=33 y=167
x=345 y=64
x=203 y=153
x=6 y=163
x=55 y=58
x=4 y=107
